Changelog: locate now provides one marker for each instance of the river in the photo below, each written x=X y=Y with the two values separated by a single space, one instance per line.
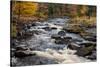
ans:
x=46 y=50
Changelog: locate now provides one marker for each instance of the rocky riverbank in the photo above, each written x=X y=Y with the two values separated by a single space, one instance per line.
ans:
x=50 y=42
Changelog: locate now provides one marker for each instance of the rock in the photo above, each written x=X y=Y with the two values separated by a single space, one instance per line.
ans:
x=56 y=36
x=60 y=42
x=73 y=46
x=19 y=34
x=28 y=34
x=67 y=37
x=86 y=48
x=90 y=38
x=47 y=28
x=87 y=44
x=85 y=51
x=33 y=24
x=53 y=28
x=93 y=56
x=28 y=27
x=62 y=33
x=23 y=54
x=14 y=42
x=21 y=47
x=76 y=40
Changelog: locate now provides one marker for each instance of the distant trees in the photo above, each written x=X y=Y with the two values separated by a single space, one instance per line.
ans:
x=23 y=8
x=82 y=10
x=91 y=11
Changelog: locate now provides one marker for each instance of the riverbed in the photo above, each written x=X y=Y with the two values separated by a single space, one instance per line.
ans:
x=44 y=47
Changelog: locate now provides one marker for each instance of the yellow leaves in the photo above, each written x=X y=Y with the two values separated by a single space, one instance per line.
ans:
x=25 y=8
x=83 y=9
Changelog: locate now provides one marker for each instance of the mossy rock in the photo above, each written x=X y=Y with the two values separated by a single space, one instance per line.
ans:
x=85 y=51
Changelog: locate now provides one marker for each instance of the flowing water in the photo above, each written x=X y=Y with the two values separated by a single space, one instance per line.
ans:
x=47 y=52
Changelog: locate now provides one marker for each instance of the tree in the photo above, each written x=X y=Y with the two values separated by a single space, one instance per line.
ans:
x=91 y=11
x=82 y=10
x=24 y=8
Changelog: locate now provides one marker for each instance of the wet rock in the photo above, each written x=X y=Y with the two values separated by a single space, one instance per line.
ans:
x=47 y=28
x=73 y=46
x=86 y=48
x=85 y=51
x=37 y=31
x=76 y=40
x=21 y=47
x=87 y=44
x=56 y=36
x=67 y=38
x=90 y=38
x=62 y=33
x=28 y=34
x=19 y=35
x=61 y=39
x=33 y=24
x=60 y=42
x=14 y=42
x=23 y=54
x=93 y=56
x=53 y=28
x=28 y=27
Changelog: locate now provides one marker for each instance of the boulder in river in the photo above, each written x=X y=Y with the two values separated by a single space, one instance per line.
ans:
x=60 y=41
x=67 y=37
x=90 y=38
x=86 y=48
x=23 y=54
x=21 y=47
x=73 y=46
x=77 y=40
x=53 y=28
x=47 y=28
x=62 y=33
x=56 y=36
x=63 y=40
x=28 y=27
x=85 y=51
x=93 y=56
x=87 y=44
x=33 y=24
